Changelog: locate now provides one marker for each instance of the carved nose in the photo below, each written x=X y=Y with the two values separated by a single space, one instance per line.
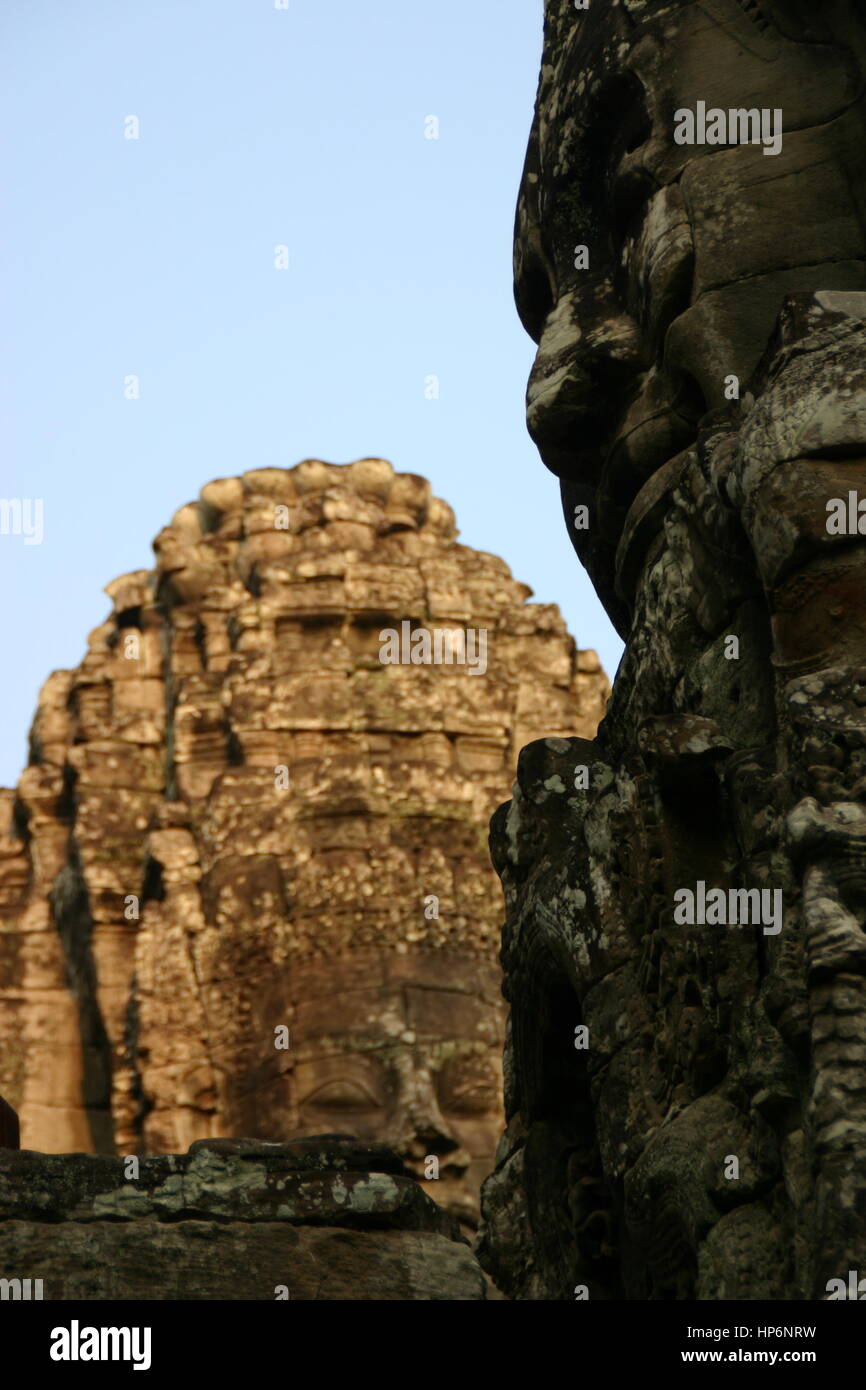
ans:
x=432 y=1142
x=425 y=1131
x=431 y=1138
x=588 y=355
x=420 y=1126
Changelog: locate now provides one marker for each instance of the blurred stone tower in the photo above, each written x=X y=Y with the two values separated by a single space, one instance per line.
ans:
x=244 y=880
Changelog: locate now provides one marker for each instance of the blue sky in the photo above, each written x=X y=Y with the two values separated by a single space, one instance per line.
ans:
x=259 y=127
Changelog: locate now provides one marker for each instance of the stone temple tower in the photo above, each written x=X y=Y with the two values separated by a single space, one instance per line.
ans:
x=244 y=880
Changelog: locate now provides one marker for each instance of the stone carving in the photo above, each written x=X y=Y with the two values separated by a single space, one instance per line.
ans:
x=318 y=1219
x=685 y=1090
x=244 y=884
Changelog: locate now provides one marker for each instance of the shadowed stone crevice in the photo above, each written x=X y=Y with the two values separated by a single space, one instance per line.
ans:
x=140 y=1103
x=9 y=1131
x=70 y=906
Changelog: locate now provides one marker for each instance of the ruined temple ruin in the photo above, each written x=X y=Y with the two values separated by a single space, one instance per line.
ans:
x=686 y=1093
x=246 y=891
x=684 y=949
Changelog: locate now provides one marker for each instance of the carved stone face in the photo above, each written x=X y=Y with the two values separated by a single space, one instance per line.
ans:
x=403 y=1049
x=691 y=248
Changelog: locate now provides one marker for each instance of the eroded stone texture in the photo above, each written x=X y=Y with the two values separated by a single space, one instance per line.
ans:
x=237 y=820
x=739 y=764
x=325 y=1218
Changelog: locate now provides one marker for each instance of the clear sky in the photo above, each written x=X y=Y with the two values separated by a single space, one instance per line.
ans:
x=259 y=127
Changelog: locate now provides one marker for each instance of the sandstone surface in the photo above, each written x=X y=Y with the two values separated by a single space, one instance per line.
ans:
x=244 y=882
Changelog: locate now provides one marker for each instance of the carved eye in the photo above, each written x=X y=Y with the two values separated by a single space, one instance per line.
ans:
x=471 y=1100
x=342 y=1095
x=469 y=1087
x=632 y=189
x=534 y=287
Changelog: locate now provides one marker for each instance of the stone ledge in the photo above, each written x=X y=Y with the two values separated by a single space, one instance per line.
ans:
x=237 y=1261
x=327 y=1218
x=308 y=1182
